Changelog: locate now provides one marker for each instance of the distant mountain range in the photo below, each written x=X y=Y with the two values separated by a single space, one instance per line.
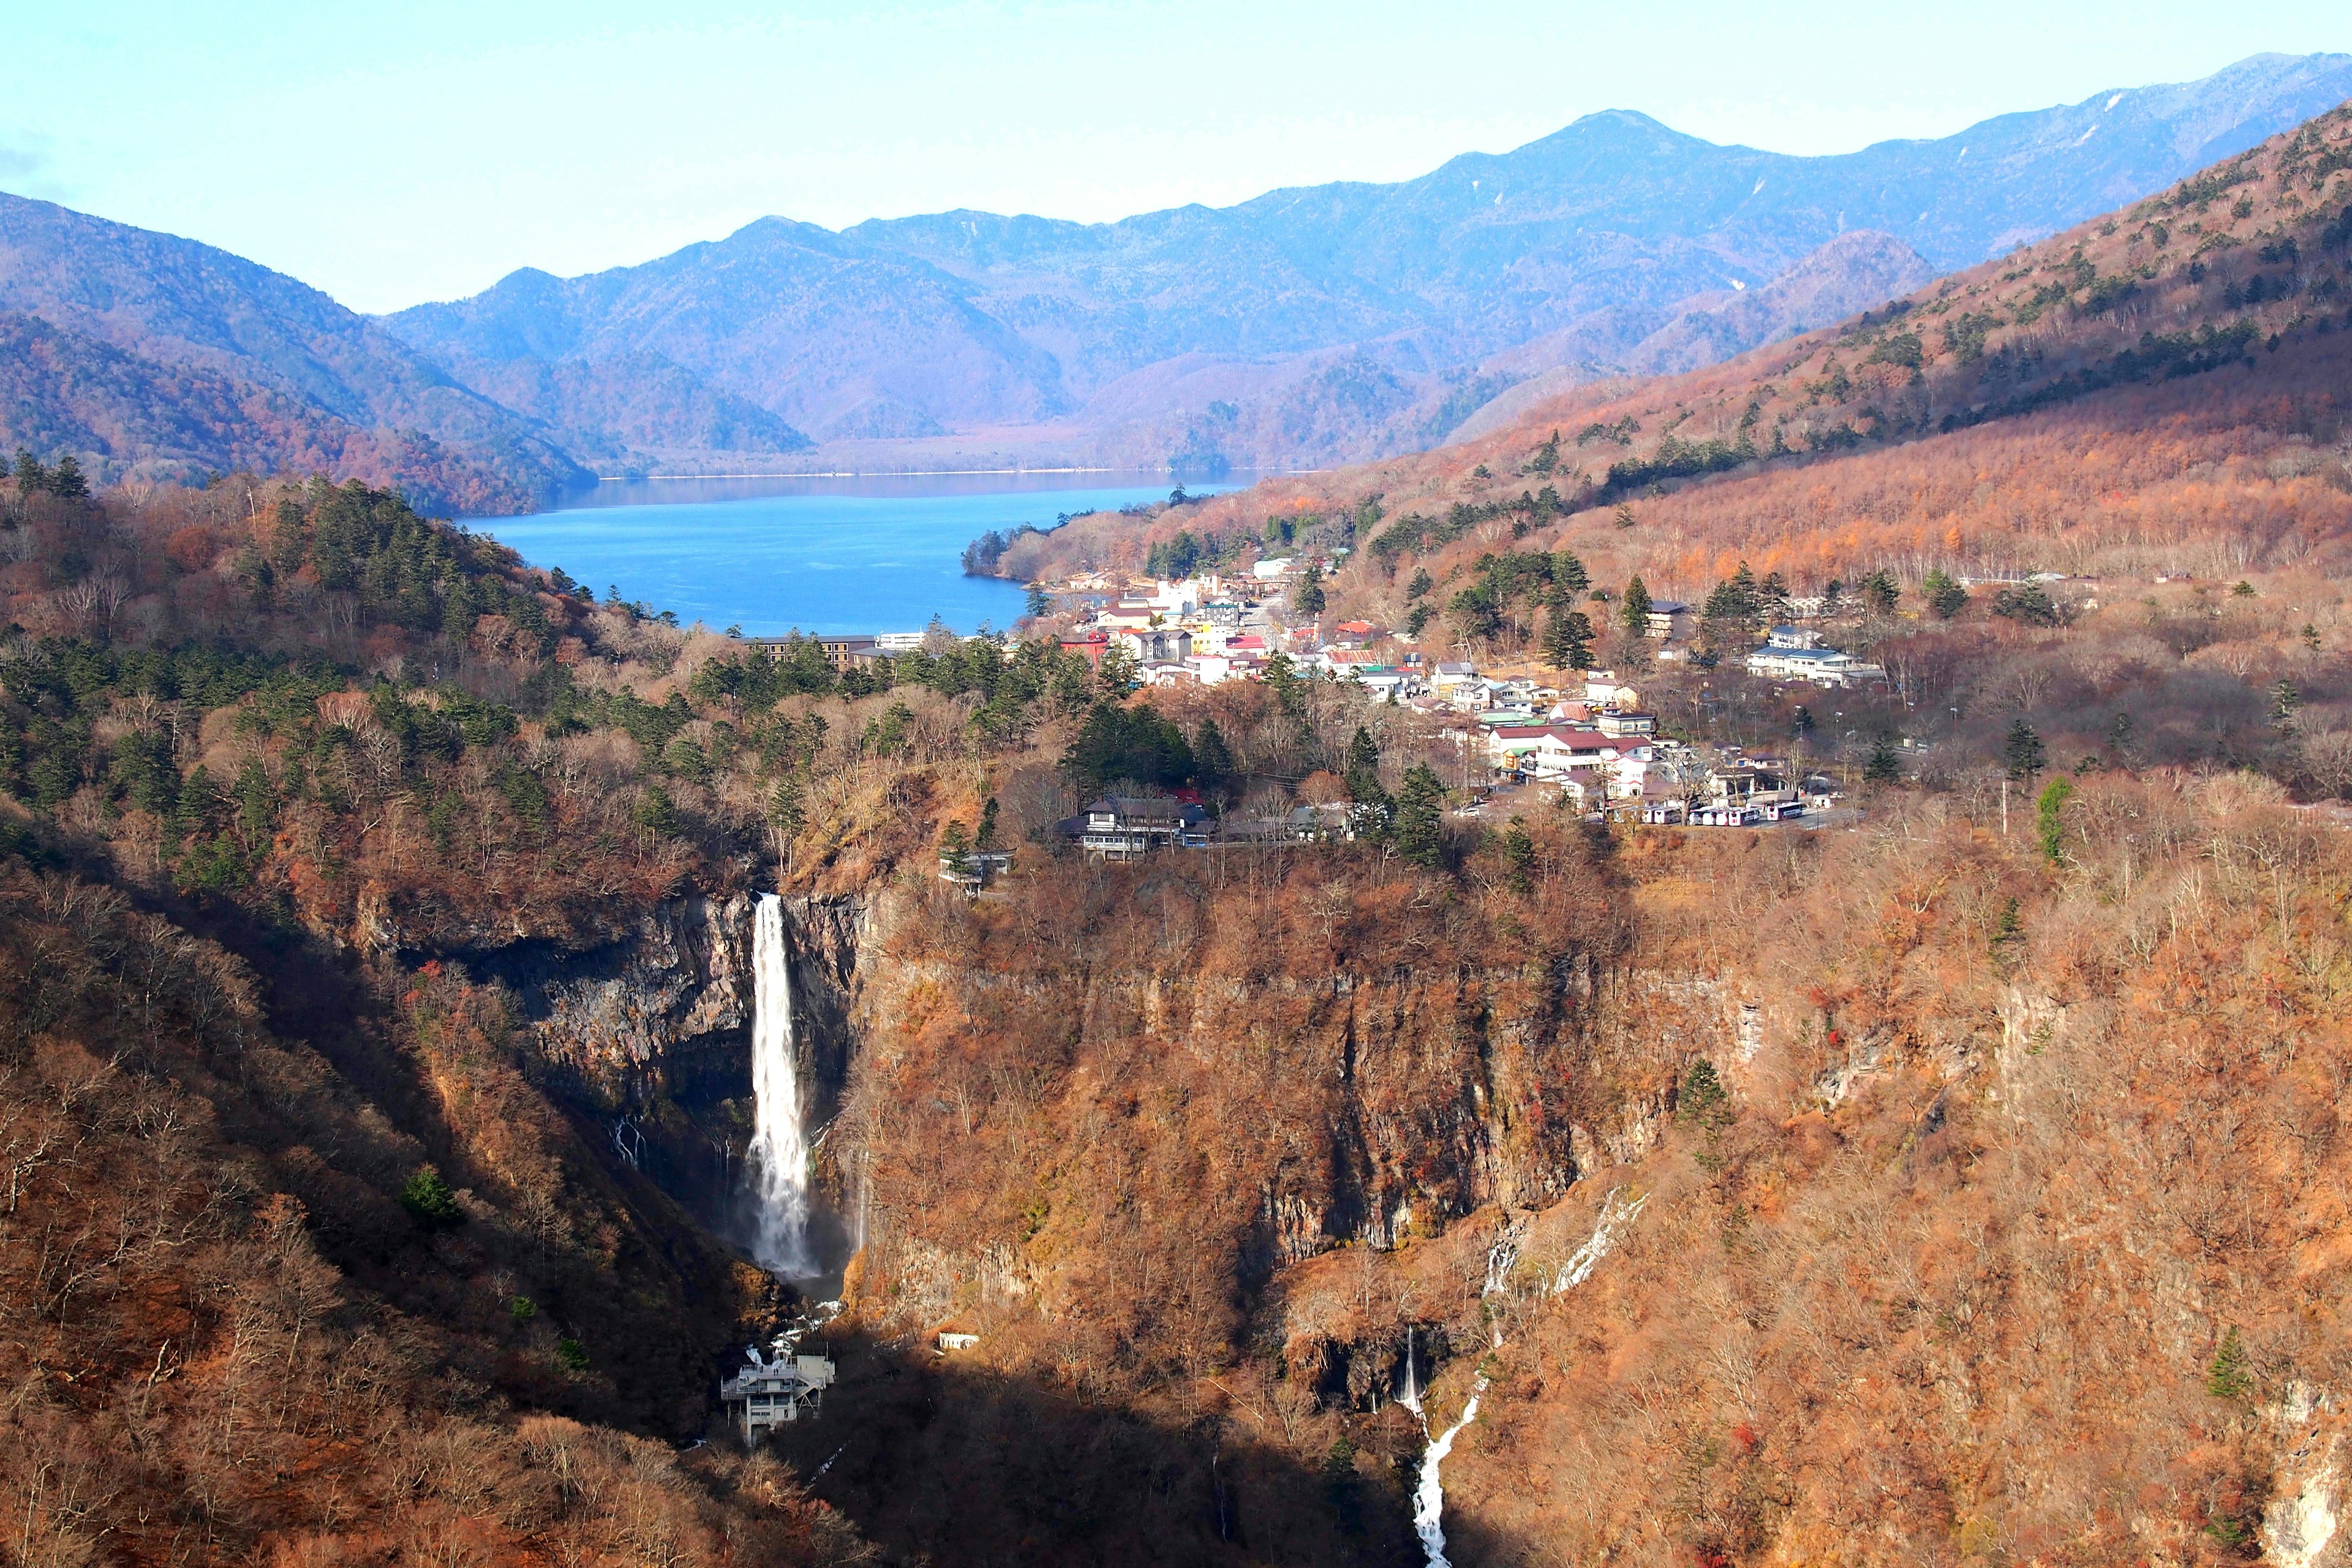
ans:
x=1309 y=326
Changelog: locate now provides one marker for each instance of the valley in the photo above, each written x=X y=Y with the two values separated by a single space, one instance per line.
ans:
x=1225 y=1066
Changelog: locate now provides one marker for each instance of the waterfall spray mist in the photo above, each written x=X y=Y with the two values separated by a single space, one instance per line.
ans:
x=780 y=1158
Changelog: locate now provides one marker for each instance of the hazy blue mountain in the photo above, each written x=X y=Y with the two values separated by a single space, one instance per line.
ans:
x=1584 y=246
x=1319 y=324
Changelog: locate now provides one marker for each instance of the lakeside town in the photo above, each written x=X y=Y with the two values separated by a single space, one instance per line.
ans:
x=1521 y=727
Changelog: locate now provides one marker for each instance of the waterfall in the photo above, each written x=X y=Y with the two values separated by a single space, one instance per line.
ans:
x=1411 y=1399
x=1429 y=1495
x=779 y=1155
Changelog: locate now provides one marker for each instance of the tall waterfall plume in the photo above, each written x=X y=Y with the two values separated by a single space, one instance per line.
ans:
x=779 y=1155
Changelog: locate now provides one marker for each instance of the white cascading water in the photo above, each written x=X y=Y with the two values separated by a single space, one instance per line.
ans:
x=780 y=1156
x=1429 y=1495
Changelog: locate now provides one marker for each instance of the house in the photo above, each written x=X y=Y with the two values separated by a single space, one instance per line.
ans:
x=1564 y=753
x=1822 y=666
x=842 y=652
x=1447 y=674
x=1332 y=823
x=1268 y=570
x=1156 y=645
x=767 y=1394
x=1669 y=618
x=1603 y=689
x=1344 y=662
x=1618 y=724
x=1792 y=637
x=1127 y=827
x=974 y=869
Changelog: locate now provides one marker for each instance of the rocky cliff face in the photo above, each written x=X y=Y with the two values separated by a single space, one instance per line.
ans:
x=650 y=1034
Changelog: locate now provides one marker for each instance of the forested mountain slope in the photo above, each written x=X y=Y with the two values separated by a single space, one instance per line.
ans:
x=2193 y=340
x=176 y=303
x=1205 y=334
x=330 y=834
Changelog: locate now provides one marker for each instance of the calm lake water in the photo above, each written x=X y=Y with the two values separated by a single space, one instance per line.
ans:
x=882 y=554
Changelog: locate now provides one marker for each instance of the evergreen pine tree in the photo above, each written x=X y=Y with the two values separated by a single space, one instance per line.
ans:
x=1701 y=1099
x=1418 y=831
x=1884 y=767
x=429 y=1201
x=1633 y=607
x=65 y=481
x=1212 y=759
x=1944 y=595
x=1568 y=577
x=2022 y=752
x=1519 y=857
x=2285 y=700
x=2232 y=1373
x=2050 y=821
x=1307 y=600
x=1567 y=640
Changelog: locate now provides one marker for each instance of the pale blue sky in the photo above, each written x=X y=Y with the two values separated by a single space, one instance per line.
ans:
x=391 y=153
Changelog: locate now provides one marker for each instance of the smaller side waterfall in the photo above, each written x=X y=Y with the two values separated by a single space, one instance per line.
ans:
x=780 y=1154
x=1429 y=1494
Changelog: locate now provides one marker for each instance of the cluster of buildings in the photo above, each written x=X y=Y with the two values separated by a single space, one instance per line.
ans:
x=1602 y=752
x=1207 y=629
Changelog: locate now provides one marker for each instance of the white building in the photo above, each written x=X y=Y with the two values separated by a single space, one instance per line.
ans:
x=1822 y=666
x=1603 y=689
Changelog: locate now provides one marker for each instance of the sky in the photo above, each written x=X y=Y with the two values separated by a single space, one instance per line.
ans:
x=392 y=153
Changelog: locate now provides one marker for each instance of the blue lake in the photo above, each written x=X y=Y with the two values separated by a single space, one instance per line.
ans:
x=876 y=554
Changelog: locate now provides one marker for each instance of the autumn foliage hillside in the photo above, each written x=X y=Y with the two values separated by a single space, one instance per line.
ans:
x=2158 y=390
x=1969 y=1172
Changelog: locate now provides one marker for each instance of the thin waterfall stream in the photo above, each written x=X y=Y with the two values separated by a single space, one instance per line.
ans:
x=779 y=1155
x=1428 y=1493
